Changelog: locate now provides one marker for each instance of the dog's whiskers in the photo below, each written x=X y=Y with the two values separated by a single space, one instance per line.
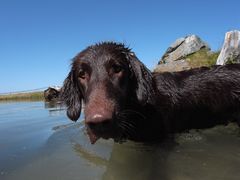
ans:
x=127 y=126
x=133 y=112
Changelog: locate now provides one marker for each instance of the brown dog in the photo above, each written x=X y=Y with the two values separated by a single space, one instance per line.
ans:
x=124 y=100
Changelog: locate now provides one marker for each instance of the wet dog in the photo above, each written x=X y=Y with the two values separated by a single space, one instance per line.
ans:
x=124 y=100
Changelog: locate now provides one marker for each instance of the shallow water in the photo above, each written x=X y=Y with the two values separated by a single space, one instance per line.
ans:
x=38 y=142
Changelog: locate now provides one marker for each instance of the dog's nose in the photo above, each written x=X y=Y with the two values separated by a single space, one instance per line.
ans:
x=99 y=122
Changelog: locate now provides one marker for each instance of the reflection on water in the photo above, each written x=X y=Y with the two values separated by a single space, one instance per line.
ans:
x=55 y=108
x=24 y=128
x=209 y=154
x=53 y=105
x=61 y=150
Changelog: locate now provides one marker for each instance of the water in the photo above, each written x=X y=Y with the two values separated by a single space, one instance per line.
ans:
x=38 y=142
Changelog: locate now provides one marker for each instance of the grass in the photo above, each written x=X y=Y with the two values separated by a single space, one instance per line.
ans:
x=202 y=58
x=23 y=96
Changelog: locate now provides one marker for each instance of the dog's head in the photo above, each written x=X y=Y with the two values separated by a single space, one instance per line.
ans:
x=111 y=82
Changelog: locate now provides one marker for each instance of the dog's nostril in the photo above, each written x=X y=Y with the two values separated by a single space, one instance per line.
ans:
x=92 y=125
x=98 y=125
x=99 y=122
x=106 y=123
x=95 y=124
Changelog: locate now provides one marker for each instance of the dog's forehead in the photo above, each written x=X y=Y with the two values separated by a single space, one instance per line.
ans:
x=100 y=55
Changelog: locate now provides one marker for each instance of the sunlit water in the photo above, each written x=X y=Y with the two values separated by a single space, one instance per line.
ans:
x=38 y=142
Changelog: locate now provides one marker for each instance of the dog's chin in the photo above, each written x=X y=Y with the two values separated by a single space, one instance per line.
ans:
x=94 y=137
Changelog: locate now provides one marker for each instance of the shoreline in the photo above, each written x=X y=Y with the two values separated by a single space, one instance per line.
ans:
x=23 y=96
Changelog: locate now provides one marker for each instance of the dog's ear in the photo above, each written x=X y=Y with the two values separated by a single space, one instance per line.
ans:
x=144 y=80
x=72 y=97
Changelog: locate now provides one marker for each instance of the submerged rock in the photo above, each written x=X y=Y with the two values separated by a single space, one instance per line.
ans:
x=230 y=52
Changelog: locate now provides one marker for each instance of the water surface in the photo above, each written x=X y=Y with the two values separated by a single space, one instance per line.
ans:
x=37 y=142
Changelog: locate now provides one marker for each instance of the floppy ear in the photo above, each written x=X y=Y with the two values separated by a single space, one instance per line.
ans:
x=144 y=80
x=72 y=97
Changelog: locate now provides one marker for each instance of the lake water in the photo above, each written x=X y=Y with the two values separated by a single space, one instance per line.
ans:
x=38 y=142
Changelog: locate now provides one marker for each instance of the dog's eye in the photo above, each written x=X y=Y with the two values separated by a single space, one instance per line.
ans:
x=117 y=68
x=82 y=74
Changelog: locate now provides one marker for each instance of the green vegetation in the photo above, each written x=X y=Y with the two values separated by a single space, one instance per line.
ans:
x=233 y=58
x=33 y=96
x=202 y=58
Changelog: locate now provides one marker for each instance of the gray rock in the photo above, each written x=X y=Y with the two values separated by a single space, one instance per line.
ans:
x=175 y=45
x=174 y=58
x=178 y=65
x=183 y=47
x=230 y=52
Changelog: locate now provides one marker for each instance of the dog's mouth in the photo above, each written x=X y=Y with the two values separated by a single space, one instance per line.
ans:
x=92 y=136
x=120 y=128
x=95 y=136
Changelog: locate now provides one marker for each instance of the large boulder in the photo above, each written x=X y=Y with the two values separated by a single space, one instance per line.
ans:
x=52 y=93
x=230 y=52
x=174 y=59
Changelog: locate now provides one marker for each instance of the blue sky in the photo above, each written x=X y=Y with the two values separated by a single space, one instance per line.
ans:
x=39 y=38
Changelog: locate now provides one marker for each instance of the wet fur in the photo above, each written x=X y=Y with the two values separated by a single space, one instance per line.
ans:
x=154 y=105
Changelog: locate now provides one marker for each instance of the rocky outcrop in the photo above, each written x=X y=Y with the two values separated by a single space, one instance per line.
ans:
x=230 y=52
x=52 y=94
x=174 y=58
